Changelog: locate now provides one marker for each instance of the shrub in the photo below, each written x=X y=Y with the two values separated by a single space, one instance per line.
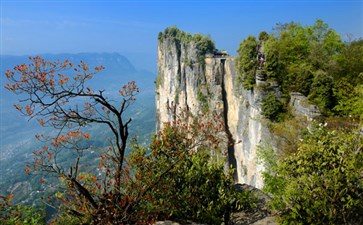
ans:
x=322 y=182
x=19 y=214
x=271 y=107
x=263 y=36
x=247 y=61
x=322 y=90
x=185 y=183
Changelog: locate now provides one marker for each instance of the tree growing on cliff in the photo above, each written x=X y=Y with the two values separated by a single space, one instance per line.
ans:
x=301 y=57
x=271 y=107
x=203 y=44
x=247 y=62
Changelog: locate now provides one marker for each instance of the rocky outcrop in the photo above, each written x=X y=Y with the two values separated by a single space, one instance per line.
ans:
x=188 y=80
x=258 y=215
x=302 y=107
x=185 y=80
x=246 y=126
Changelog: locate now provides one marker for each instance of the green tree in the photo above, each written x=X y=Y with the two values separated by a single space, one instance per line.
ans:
x=263 y=36
x=204 y=44
x=324 y=45
x=348 y=81
x=321 y=91
x=299 y=78
x=247 y=61
x=272 y=67
x=271 y=107
x=302 y=58
x=351 y=61
x=350 y=101
x=321 y=183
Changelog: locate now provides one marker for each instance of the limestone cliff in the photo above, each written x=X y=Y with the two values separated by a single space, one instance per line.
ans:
x=189 y=78
x=186 y=81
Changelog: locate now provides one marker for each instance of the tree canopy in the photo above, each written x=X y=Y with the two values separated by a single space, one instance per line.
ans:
x=312 y=60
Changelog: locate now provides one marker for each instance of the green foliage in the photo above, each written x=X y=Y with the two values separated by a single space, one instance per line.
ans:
x=203 y=99
x=313 y=60
x=322 y=90
x=263 y=36
x=191 y=186
x=289 y=132
x=351 y=62
x=181 y=39
x=19 y=214
x=204 y=44
x=271 y=107
x=174 y=35
x=246 y=61
x=347 y=88
x=299 y=78
x=322 y=182
x=249 y=81
x=350 y=99
x=272 y=65
x=64 y=218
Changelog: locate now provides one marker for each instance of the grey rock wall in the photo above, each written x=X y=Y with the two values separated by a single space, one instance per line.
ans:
x=184 y=82
x=302 y=107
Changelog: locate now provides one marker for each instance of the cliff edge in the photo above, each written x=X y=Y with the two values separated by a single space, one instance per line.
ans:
x=197 y=80
x=194 y=75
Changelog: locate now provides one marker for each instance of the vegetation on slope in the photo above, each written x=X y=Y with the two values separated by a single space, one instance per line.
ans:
x=312 y=60
x=321 y=181
x=316 y=176
x=19 y=214
x=246 y=62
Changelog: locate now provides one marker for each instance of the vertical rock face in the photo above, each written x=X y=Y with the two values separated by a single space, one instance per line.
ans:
x=189 y=80
x=302 y=107
x=186 y=79
x=178 y=79
x=245 y=125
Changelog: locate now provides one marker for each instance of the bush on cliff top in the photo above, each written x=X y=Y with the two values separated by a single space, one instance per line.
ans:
x=247 y=62
x=271 y=107
x=203 y=43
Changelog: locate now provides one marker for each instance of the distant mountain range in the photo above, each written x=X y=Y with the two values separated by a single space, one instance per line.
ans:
x=17 y=134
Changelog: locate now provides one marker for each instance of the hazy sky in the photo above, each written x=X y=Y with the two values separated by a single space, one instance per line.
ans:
x=131 y=27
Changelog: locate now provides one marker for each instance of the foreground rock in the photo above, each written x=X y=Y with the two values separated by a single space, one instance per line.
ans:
x=257 y=216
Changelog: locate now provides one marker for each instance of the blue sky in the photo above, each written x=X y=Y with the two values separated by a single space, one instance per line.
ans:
x=131 y=27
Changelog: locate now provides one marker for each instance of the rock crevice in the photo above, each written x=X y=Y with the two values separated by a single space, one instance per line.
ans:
x=186 y=82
